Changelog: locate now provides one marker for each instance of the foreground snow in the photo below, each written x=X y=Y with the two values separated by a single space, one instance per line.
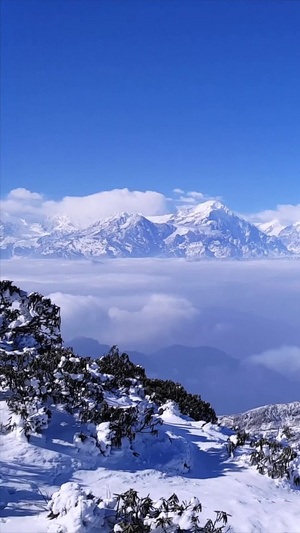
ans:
x=32 y=472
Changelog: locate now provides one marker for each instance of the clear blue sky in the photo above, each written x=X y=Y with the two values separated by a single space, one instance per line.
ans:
x=201 y=95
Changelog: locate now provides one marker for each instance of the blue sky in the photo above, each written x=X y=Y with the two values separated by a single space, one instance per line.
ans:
x=198 y=95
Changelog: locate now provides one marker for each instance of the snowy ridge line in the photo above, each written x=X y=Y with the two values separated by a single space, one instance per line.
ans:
x=208 y=231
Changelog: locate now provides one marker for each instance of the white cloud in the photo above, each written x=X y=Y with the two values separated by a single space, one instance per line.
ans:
x=83 y=210
x=189 y=198
x=88 y=209
x=286 y=214
x=24 y=194
x=22 y=203
x=136 y=323
x=186 y=200
x=163 y=316
x=285 y=360
x=196 y=195
x=83 y=315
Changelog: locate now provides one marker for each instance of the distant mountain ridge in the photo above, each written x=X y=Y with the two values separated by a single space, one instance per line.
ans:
x=208 y=231
x=289 y=235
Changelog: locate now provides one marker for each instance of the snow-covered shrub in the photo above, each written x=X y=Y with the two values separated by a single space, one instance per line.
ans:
x=142 y=515
x=27 y=320
x=86 y=443
x=77 y=511
x=77 y=387
x=273 y=459
x=104 y=443
x=160 y=391
x=122 y=370
x=126 y=422
x=110 y=393
x=74 y=511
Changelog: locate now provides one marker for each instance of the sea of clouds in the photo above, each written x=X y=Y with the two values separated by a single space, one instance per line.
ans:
x=247 y=309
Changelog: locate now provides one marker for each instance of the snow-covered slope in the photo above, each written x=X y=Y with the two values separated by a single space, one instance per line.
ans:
x=80 y=431
x=32 y=472
x=273 y=227
x=18 y=238
x=213 y=230
x=268 y=419
x=290 y=236
x=209 y=230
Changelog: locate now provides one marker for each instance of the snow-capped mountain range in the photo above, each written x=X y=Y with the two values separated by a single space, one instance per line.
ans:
x=289 y=235
x=208 y=231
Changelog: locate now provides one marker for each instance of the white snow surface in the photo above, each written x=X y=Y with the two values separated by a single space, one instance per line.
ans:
x=273 y=227
x=32 y=472
x=289 y=235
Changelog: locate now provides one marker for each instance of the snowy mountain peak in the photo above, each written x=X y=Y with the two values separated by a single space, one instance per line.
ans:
x=290 y=236
x=274 y=227
x=205 y=208
x=60 y=223
x=122 y=220
x=202 y=213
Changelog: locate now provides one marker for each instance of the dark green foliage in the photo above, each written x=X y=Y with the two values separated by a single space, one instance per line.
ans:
x=126 y=422
x=287 y=432
x=121 y=368
x=161 y=391
x=130 y=513
x=269 y=456
x=41 y=327
x=141 y=515
x=79 y=390
x=272 y=458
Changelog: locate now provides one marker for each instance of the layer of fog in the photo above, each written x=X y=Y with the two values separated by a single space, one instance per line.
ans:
x=249 y=310
x=243 y=308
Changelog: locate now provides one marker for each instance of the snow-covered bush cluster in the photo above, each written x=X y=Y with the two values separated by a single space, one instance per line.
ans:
x=269 y=438
x=75 y=511
x=160 y=391
x=27 y=320
x=112 y=398
x=273 y=457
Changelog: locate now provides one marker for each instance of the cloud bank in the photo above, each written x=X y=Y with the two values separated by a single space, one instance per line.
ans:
x=286 y=214
x=285 y=360
x=85 y=210
x=145 y=304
